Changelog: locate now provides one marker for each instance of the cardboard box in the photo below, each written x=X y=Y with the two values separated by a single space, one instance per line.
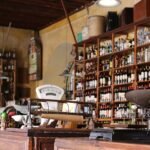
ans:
x=141 y=10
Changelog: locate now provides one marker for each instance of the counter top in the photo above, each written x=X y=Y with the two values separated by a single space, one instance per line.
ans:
x=86 y=144
x=49 y=132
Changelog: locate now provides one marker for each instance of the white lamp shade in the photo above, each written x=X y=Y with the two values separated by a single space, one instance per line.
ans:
x=108 y=3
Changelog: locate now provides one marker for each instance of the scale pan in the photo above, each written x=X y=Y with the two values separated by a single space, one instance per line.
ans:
x=139 y=97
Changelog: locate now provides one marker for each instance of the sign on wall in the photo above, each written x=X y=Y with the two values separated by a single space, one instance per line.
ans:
x=35 y=60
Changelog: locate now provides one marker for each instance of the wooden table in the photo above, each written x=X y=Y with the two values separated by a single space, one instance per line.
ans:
x=86 y=144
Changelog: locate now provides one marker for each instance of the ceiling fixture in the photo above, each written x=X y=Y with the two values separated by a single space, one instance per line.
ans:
x=108 y=3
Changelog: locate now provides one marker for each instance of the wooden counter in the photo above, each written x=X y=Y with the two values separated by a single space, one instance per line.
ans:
x=35 y=139
x=86 y=144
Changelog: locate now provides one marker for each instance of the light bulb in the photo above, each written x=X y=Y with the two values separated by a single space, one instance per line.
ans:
x=108 y=3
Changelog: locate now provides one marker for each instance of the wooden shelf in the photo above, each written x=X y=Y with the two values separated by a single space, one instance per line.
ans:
x=144 y=63
x=79 y=91
x=113 y=56
x=90 y=74
x=101 y=103
x=104 y=87
x=144 y=45
x=125 y=67
x=121 y=101
x=124 y=84
x=92 y=59
x=91 y=89
x=123 y=51
x=105 y=71
x=79 y=61
x=106 y=56
x=141 y=82
x=122 y=119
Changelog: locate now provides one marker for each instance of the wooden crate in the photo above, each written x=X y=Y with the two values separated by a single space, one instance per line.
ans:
x=142 y=10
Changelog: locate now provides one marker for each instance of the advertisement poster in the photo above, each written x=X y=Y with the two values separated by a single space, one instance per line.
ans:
x=35 y=60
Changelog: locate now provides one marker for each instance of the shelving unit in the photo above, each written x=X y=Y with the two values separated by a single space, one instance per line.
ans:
x=8 y=76
x=110 y=65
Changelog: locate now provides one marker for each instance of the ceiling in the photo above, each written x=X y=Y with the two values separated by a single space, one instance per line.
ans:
x=37 y=14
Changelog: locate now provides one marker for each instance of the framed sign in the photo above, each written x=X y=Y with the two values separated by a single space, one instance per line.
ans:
x=35 y=60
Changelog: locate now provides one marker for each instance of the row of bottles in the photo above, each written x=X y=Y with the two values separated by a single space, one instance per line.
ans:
x=79 y=72
x=106 y=64
x=140 y=113
x=119 y=94
x=105 y=47
x=143 y=55
x=8 y=54
x=144 y=73
x=91 y=82
x=91 y=67
x=79 y=98
x=90 y=96
x=124 y=60
x=91 y=51
x=145 y=85
x=122 y=111
x=105 y=111
x=80 y=55
x=124 y=76
x=105 y=80
x=143 y=35
x=123 y=42
x=79 y=86
x=8 y=66
x=105 y=95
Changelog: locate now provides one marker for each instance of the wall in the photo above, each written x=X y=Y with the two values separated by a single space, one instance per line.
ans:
x=57 y=43
x=56 y=37
x=17 y=39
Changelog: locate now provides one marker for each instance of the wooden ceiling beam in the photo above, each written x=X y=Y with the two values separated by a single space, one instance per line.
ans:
x=11 y=7
x=24 y=20
x=38 y=3
x=19 y=25
x=36 y=14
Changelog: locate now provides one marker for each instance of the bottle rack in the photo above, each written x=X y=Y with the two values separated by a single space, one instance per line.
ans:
x=8 y=76
x=110 y=65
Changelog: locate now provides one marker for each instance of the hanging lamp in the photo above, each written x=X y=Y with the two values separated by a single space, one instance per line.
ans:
x=108 y=3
